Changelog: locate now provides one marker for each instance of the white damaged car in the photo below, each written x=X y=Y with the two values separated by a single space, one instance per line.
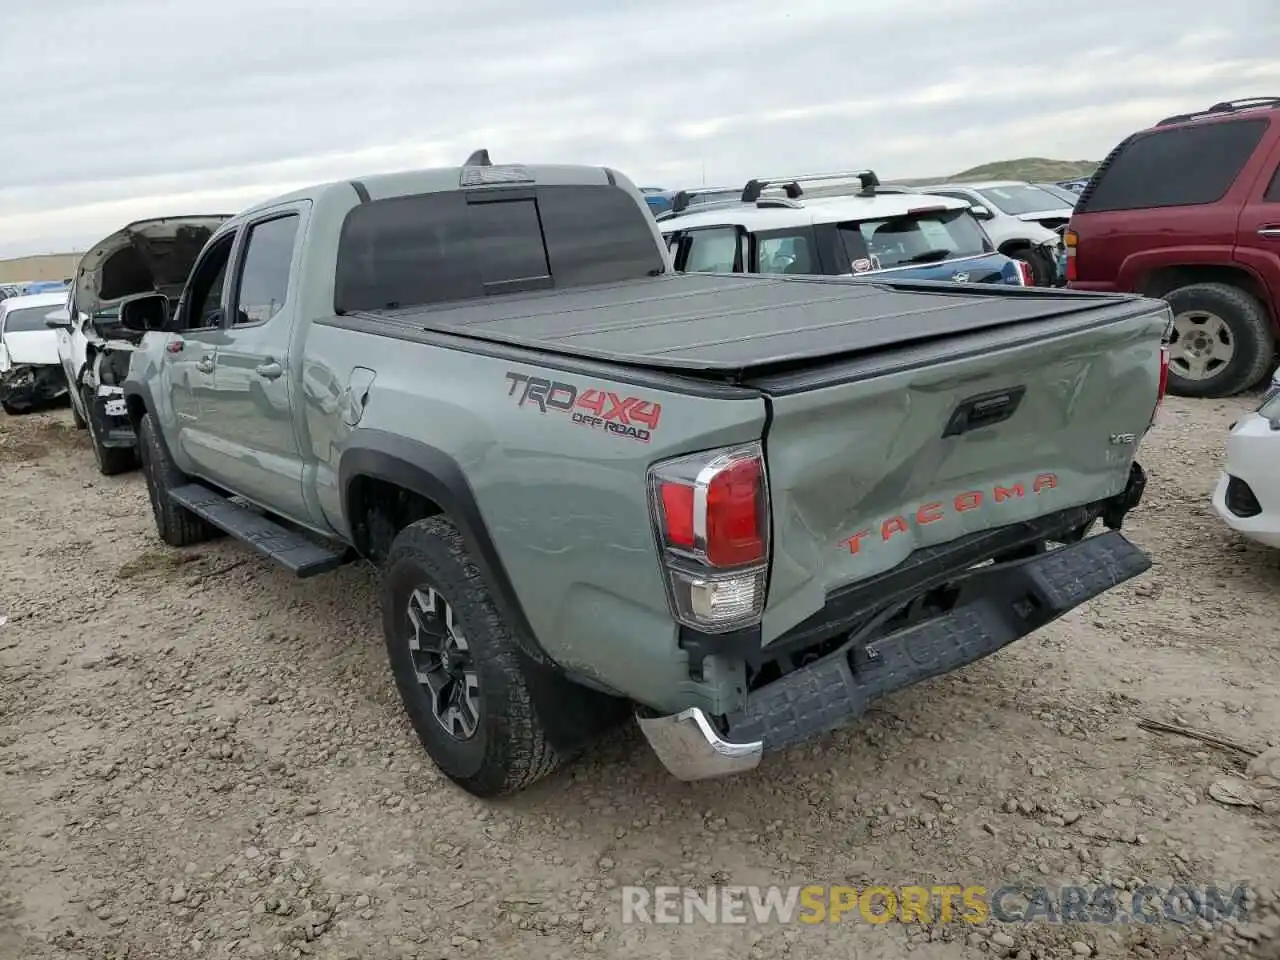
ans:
x=1247 y=497
x=148 y=256
x=30 y=373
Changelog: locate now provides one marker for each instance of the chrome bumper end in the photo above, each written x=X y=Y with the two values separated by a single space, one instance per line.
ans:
x=690 y=748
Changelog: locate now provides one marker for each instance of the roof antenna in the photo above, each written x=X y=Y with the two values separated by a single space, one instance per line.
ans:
x=479 y=159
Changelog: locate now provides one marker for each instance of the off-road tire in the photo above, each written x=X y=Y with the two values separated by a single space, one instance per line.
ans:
x=509 y=749
x=176 y=525
x=1247 y=319
x=111 y=460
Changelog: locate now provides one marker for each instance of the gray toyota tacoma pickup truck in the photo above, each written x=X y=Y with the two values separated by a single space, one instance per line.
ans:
x=741 y=507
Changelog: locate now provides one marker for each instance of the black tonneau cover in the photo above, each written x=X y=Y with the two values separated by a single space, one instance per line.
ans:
x=730 y=325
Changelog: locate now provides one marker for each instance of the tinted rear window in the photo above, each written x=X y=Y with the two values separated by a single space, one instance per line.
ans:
x=1180 y=166
x=917 y=238
x=437 y=247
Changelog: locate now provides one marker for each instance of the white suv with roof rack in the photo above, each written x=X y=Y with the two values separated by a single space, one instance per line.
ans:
x=773 y=226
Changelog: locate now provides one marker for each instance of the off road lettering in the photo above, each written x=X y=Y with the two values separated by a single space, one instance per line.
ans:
x=603 y=410
x=964 y=502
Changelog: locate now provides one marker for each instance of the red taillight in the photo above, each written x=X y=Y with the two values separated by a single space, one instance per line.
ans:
x=1024 y=273
x=734 y=513
x=1071 y=240
x=677 y=514
x=711 y=516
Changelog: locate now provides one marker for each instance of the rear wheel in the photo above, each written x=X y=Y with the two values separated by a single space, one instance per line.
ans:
x=176 y=525
x=456 y=665
x=1221 y=342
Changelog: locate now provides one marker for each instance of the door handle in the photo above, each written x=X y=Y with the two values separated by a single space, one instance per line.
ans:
x=270 y=369
x=205 y=364
x=1271 y=233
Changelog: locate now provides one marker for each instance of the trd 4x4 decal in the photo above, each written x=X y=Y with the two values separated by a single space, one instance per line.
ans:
x=591 y=407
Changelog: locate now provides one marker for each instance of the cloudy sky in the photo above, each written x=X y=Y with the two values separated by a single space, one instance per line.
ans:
x=134 y=108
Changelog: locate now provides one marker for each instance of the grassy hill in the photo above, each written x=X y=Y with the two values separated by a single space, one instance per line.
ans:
x=1026 y=168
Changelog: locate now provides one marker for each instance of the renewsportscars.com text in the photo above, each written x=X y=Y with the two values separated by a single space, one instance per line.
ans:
x=972 y=904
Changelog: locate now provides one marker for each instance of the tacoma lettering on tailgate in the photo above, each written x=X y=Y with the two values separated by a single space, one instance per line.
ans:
x=592 y=407
x=928 y=513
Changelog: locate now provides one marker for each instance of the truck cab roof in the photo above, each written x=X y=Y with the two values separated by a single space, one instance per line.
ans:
x=384 y=186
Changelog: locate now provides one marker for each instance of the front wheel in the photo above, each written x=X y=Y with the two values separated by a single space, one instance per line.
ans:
x=456 y=665
x=176 y=525
x=1221 y=343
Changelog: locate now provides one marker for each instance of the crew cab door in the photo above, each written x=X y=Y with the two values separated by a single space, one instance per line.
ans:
x=186 y=374
x=1258 y=229
x=257 y=453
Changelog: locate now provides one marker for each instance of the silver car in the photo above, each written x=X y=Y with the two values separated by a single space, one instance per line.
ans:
x=1023 y=220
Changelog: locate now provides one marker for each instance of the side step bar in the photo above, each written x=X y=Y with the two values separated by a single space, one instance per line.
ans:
x=293 y=551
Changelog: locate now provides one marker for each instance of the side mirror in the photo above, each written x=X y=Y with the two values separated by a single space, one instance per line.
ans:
x=979 y=211
x=56 y=321
x=147 y=311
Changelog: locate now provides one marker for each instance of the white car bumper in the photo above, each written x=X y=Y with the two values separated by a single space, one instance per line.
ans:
x=1247 y=497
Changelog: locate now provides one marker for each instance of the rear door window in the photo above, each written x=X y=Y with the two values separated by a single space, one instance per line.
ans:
x=437 y=247
x=1175 y=167
x=264 y=273
x=1273 y=190
x=712 y=250
x=924 y=236
x=786 y=253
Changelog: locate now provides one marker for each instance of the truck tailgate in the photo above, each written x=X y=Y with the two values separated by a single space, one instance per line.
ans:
x=874 y=458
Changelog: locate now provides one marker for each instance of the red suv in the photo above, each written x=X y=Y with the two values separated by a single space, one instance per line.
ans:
x=1189 y=210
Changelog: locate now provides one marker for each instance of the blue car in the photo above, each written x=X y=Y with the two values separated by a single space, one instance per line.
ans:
x=44 y=286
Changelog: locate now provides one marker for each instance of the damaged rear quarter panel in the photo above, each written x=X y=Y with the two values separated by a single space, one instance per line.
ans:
x=558 y=464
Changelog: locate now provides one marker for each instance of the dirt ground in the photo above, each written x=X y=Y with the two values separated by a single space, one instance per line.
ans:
x=202 y=757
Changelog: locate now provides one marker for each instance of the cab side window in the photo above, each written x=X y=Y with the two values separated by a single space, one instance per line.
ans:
x=203 y=307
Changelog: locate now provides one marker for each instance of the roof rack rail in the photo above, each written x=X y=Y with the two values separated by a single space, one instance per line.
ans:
x=1226 y=106
x=683 y=199
x=678 y=206
x=479 y=158
x=791 y=185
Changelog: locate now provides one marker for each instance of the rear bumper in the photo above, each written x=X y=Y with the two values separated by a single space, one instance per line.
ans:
x=996 y=605
x=1247 y=496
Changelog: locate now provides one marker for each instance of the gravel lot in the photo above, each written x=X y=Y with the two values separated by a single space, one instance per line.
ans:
x=202 y=757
